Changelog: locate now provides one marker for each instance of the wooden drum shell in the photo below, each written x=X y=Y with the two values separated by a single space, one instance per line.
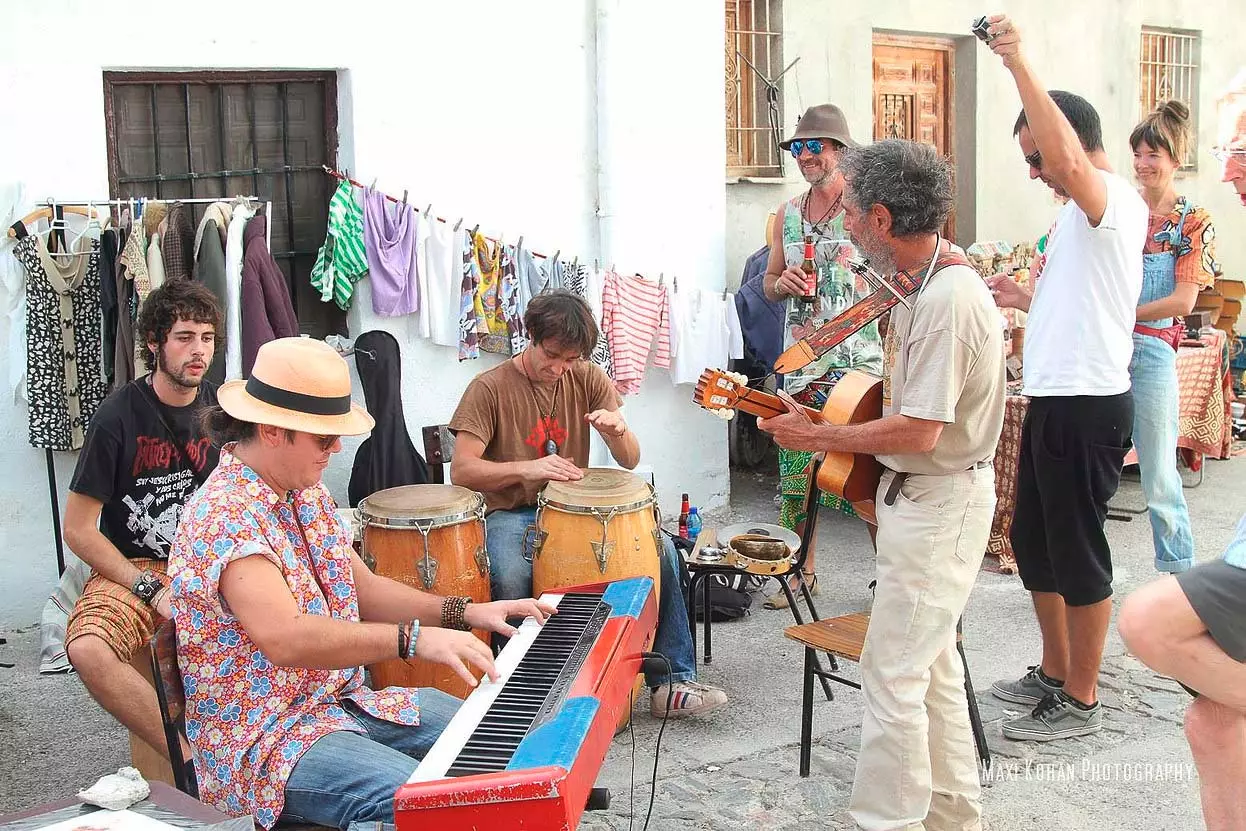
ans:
x=432 y=538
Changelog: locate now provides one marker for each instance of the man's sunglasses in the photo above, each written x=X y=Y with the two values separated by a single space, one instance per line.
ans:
x=814 y=146
x=324 y=442
x=1034 y=160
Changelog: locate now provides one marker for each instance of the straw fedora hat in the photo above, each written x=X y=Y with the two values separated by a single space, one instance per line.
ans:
x=825 y=121
x=298 y=384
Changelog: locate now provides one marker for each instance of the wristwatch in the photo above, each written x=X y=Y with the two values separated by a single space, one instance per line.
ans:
x=147 y=586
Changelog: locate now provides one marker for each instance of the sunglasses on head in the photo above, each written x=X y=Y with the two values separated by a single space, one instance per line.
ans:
x=1034 y=160
x=814 y=146
x=1224 y=154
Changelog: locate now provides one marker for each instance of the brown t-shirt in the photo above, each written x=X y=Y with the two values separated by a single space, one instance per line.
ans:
x=501 y=409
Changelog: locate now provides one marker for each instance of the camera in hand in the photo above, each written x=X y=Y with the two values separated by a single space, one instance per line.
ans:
x=982 y=29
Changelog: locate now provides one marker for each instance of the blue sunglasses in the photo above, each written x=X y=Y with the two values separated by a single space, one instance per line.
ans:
x=815 y=146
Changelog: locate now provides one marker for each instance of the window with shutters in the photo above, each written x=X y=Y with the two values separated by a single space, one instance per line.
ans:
x=205 y=134
x=754 y=64
x=1168 y=69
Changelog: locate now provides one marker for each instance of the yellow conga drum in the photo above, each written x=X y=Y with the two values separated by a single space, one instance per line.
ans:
x=431 y=537
x=604 y=527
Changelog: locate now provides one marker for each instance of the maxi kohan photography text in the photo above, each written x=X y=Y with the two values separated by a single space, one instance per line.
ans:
x=1086 y=770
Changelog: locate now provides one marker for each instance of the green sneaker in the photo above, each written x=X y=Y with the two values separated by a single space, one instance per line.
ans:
x=1029 y=689
x=1055 y=717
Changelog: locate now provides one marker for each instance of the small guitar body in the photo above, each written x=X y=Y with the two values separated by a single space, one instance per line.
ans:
x=856 y=398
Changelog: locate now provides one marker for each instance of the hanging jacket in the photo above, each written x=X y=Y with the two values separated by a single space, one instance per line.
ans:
x=387 y=458
x=267 y=313
x=210 y=270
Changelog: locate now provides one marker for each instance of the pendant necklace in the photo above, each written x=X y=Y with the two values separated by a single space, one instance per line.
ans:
x=550 y=448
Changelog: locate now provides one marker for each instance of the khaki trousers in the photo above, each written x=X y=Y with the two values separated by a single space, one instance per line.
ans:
x=917 y=768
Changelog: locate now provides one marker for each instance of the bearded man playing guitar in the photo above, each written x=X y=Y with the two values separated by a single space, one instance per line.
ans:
x=936 y=442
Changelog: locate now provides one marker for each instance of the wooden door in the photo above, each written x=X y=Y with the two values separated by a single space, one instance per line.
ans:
x=912 y=95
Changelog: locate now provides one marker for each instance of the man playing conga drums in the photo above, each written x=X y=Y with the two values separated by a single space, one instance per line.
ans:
x=276 y=614
x=522 y=425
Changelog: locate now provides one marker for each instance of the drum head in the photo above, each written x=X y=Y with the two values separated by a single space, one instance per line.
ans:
x=600 y=487
x=418 y=502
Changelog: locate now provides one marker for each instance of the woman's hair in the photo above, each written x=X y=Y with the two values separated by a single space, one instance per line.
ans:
x=1167 y=128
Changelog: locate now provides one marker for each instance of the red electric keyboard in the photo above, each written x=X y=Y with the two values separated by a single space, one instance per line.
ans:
x=523 y=751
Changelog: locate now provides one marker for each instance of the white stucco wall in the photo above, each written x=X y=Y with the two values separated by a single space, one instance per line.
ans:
x=488 y=109
x=1087 y=48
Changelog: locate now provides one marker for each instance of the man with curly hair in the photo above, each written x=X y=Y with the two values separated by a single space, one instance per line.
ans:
x=145 y=454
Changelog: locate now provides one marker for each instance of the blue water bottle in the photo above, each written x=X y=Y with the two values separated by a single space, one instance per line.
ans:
x=694 y=523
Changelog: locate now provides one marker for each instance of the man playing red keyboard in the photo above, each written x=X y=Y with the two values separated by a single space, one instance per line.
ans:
x=275 y=614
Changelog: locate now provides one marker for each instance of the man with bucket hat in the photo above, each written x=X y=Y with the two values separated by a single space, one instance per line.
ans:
x=275 y=614
x=817 y=213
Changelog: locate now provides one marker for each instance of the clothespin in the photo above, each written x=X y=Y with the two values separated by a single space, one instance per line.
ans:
x=519 y=245
x=428 y=210
x=475 y=230
x=556 y=253
x=596 y=265
x=404 y=196
x=458 y=224
x=661 y=279
x=675 y=283
x=373 y=185
x=725 y=292
x=612 y=268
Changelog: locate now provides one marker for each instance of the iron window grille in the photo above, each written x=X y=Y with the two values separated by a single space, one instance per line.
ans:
x=754 y=48
x=1168 y=66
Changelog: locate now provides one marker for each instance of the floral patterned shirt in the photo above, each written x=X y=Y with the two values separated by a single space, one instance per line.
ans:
x=249 y=720
x=838 y=288
x=1196 y=249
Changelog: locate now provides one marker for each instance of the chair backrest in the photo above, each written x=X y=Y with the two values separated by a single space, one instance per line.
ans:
x=171 y=696
x=812 y=502
x=438 y=450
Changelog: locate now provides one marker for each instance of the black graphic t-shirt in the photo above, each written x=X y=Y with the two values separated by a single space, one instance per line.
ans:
x=143 y=460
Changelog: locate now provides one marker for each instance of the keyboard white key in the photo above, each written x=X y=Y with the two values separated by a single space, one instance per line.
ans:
x=447 y=748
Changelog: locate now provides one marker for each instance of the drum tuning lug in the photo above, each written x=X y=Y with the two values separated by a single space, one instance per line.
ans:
x=602 y=551
x=482 y=560
x=427 y=568
x=368 y=560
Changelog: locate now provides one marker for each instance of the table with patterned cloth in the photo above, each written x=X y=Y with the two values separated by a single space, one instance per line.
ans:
x=1205 y=387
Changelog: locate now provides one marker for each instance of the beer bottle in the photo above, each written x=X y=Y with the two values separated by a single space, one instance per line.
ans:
x=811 y=273
x=683 y=517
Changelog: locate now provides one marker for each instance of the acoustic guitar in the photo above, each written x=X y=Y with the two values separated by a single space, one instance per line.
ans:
x=856 y=398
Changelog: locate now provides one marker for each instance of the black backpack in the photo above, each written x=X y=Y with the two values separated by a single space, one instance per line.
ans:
x=729 y=598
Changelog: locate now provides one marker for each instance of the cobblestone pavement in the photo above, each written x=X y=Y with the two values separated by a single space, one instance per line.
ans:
x=737 y=768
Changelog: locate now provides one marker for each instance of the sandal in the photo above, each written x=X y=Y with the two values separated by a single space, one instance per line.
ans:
x=778 y=600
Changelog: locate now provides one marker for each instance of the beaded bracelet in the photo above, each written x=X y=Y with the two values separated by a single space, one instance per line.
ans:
x=407 y=635
x=453 y=611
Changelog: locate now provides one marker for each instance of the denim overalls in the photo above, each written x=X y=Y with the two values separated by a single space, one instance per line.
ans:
x=1153 y=372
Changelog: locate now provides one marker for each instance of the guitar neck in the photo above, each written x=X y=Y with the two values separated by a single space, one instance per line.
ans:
x=764 y=405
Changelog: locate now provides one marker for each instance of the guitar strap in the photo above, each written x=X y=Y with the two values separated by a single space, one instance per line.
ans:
x=840 y=328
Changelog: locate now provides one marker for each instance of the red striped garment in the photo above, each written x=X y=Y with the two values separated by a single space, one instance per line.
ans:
x=633 y=310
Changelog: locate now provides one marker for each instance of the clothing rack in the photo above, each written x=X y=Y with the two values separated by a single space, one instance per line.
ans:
x=131 y=202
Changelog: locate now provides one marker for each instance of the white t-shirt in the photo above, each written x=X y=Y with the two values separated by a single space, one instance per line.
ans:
x=704 y=333
x=1079 y=335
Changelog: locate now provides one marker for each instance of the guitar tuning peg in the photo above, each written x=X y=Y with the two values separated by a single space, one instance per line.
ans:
x=728 y=415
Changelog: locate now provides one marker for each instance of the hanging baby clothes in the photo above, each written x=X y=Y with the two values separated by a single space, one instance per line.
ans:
x=177 y=243
x=234 y=250
x=633 y=311
x=577 y=280
x=530 y=279
x=470 y=313
x=701 y=334
x=490 y=306
x=445 y=280
x=341 y=261
x=66 y=384
x=423 y=317
x=155 y=263
x=389 y=242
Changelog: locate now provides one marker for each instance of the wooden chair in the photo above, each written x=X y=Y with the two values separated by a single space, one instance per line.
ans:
x=701 y=572
x=844 y=637
x=438 y=450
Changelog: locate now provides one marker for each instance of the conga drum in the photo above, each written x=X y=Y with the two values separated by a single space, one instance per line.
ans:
x=602 y=527
x=431 y=537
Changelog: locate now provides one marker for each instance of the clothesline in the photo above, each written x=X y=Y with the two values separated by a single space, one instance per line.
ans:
x=345 y=177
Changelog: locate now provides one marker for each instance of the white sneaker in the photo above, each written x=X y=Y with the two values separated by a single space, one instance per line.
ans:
x=687 y=698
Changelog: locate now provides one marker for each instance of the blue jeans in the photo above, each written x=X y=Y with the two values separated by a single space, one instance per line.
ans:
x=347 y=780
x=510 y=573
x=1153 y=371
